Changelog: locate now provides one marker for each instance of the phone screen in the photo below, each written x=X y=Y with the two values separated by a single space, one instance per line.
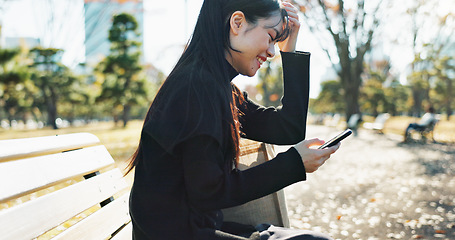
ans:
x=334 y=141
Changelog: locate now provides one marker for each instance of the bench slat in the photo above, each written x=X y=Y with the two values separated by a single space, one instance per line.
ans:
x=14 y=148
x=37 y=216
x=125 y=234
x=31 y=174
x=100 y=224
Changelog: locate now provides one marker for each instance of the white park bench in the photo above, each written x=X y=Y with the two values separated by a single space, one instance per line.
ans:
x=49 y=183
x=378 y=124
x=68 y=187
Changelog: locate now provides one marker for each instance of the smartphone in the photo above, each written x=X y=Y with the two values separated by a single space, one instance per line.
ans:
x=336 y=139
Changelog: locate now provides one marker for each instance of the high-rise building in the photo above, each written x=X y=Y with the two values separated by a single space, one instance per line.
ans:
x=16 y=42
x=98 y=21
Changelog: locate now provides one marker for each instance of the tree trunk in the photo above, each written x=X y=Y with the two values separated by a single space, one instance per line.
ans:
x=10 y=115
x=50 y=105
x=352 y=100
x=350 y=80
x=417 y=105
x=52 y=115
x=52 y=108
x=116 y=119
x=126 y=114
x=449 y=98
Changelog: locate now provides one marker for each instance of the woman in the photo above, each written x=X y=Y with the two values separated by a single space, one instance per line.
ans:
x=188 y=152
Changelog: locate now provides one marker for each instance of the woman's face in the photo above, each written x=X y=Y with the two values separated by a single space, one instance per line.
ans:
x=254 y=42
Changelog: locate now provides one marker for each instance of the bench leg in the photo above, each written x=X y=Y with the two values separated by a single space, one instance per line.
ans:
x=425 y=135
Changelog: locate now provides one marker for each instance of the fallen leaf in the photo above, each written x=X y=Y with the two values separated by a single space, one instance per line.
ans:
x=440 y=231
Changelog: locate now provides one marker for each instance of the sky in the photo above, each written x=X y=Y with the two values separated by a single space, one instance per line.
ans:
x=28 y=18
x=167 y=28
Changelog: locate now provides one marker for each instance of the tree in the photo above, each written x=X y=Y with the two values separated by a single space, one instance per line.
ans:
x=330 y=99
x=271 y=84
x=345 y=31
x=396 y=96
x=79 y=102
x=372 y=94
x=13 y=84
x=373 y=91
x=432 y=29
x=419 y=83
x=123 y=84
x=52 y=78
x=445 y=80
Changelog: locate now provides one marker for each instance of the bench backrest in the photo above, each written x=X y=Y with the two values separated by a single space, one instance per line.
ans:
x=66 y=187
x=430 y=127
x=382 y=118
x=354 y=120
x=269 y=209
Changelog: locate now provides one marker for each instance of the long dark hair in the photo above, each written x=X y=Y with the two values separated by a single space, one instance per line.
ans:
x=208 y=46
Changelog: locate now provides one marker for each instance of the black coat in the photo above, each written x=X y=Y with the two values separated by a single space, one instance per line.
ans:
x=186 y=176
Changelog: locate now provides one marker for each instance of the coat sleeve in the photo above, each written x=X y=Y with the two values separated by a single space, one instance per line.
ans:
x=285 y=124
x=212 y=184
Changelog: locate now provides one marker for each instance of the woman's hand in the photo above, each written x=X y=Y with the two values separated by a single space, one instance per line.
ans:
x=288 y=45
x=314 y=158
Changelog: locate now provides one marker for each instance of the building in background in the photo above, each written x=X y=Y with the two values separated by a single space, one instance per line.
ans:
x=98 y=21
x=17 y=42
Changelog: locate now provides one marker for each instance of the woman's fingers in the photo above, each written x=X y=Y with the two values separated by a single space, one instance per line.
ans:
x=289 y=44
x=291 y=9
x=312 y=142
x=314 y=158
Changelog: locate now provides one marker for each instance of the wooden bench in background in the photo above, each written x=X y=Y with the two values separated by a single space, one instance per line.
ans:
x=68 y=187
x=424 y=133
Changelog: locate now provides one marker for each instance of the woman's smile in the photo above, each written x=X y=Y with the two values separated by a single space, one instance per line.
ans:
x=261 y=60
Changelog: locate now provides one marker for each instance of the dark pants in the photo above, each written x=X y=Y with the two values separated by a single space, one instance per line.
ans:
x=414 y=126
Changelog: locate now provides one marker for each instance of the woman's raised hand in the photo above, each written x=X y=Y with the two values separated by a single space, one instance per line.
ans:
x=314 y=158
x=288 y=45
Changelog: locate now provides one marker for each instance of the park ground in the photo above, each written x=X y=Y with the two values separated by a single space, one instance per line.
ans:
x=375 y=187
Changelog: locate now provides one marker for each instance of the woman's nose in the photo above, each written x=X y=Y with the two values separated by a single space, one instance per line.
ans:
x=271 y=50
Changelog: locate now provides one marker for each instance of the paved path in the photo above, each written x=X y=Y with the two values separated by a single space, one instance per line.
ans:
x=375 y=187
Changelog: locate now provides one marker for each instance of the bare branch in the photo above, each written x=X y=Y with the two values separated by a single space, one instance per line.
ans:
x=341 y=13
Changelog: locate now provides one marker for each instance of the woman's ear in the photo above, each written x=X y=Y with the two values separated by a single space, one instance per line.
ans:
x=237 y=21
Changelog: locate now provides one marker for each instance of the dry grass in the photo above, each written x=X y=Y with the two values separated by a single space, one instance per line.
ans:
x=121 y=142
x=444 y=131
